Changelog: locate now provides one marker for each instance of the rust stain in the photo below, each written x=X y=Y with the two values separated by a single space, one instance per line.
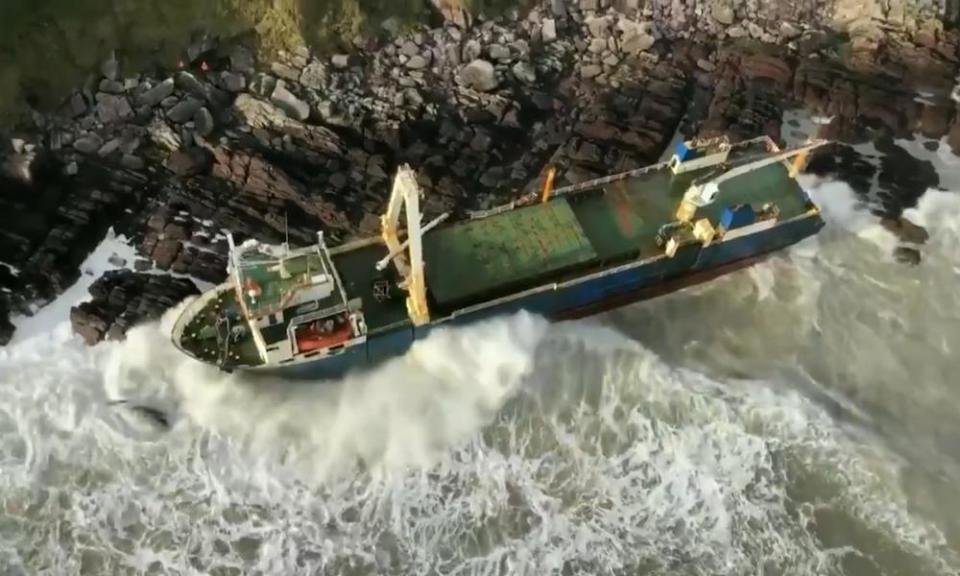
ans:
x=622 y=209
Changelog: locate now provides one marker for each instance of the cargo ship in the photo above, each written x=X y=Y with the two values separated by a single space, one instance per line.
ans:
x=563 y=253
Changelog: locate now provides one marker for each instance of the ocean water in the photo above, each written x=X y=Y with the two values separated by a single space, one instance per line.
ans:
x=799 y=417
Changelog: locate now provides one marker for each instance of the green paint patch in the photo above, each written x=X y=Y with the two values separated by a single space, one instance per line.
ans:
x=504 y=251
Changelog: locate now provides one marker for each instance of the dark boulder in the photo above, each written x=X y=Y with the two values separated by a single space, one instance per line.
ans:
x=123 y=299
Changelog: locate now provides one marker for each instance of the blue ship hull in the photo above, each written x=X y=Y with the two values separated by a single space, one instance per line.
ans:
x=577 y=298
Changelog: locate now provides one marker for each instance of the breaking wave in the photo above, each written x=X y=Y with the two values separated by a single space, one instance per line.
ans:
x=787 y=420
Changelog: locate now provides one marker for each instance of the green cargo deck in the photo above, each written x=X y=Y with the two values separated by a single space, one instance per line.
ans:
x=496 y=254
x=468 y=263
x=488 y=258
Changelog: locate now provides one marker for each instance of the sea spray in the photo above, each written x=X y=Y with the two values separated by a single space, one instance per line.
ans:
x=689 y=447
x=401 y=413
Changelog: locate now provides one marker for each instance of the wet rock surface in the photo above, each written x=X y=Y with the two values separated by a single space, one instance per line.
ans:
x=477 y=106
x=122 y=299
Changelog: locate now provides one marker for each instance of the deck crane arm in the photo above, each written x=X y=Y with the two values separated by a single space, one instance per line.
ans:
x=407 y=256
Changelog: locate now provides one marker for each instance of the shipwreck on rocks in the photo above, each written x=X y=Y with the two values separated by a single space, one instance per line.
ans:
x=224 y=140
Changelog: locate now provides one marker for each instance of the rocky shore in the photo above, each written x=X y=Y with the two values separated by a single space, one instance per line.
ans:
x=225 y=140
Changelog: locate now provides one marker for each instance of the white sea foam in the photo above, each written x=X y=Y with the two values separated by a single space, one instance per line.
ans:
x=841 y=208
x=400 y=414
x=496 y=445
x=793 y=419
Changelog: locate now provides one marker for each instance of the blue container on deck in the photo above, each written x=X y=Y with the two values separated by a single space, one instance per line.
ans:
x=685 y=153
x=737 y=216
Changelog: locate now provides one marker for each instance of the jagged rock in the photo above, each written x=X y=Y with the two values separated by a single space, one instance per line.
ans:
x=599 y=27
x=112 y=108
x=409 y=48
x=637 y=43
x=290 y=104
x=788 y=31
x=736 y=31
x=124 y=298
x=590 y=71
x=281 y=70
x=635 y=38
x=166 y=252
x=109 y=148
x=723 y=13
x=233 y=82
x=184 y=110
x=907 y=255
x=417 y=62
x=499 y=52
x=935 y=121
x=132 y=162
x=472 y=49
x=111 y=86
x=87 y=144
x=190 y=161
x=6 y=328
x=201 y=90
x=906 y=230
x=525 y=72
x=87 y=322
x=78 y=106
x=155 y=95
x=493 y=177
x=269 y=162
x=479 y=75
x=189 y=83
x=203 y=121
x=206 y=43
x=162 y=135
x=241 y=60
x=953 y=138
x=314 y=75
x=130 y=141
x=169 y=102
x=263 y=85
x=412 y=97
x=110 y=68
x=548 y=33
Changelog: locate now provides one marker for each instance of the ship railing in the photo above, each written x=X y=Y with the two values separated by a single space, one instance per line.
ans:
x=522 y=201
x=532 y=197
x=597 y=182
x=196 y=305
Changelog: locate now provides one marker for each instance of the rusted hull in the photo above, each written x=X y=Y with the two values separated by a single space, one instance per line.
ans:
x=648 y=292
x=579 y=298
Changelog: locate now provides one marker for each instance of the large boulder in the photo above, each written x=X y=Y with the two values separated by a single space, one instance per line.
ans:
x=479 y=75
x=123 y=299
x=290 y=104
